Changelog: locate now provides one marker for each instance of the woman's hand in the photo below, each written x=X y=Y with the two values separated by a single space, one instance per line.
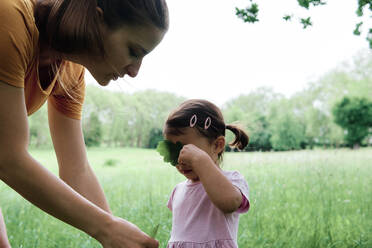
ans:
x=123 y=234
x=192 y=155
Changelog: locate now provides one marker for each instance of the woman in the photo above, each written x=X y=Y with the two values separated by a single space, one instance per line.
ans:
x=44 y=47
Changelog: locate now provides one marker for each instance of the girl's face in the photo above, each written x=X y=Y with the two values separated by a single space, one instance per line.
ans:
x=125 y=48
x=192 y=136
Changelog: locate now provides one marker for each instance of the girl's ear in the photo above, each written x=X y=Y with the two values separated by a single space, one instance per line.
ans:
x=219 y=144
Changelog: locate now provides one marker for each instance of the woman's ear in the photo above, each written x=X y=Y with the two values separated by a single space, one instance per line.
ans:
x=219 y=144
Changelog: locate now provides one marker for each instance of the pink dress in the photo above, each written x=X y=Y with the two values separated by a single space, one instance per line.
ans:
x=198 y=223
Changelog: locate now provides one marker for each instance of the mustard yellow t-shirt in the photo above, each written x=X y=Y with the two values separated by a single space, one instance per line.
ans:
x=19 y=62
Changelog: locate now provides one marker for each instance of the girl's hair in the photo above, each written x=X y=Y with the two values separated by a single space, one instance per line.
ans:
x=70 y=26
x=182 y=117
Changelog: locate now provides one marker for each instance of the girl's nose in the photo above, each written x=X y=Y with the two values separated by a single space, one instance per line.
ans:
x=134 y=68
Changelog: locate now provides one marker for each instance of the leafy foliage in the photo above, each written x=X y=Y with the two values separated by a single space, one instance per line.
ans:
x=119 y=119
x=288 y=133
x=306 y=22
x=250 y=14
x=39 y=130
x=355 y=116
x=169 y=151
x=127 y=119
x=357 y=28
x=287 y=17
x=306 y=3
x=260 y=139
x=156 y=135
x=93 y=130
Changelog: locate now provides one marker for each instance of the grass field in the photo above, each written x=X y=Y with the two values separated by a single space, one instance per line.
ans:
x=298 y=199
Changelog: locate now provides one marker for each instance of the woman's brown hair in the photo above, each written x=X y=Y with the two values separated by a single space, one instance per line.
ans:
x=70 y=26
x=181 y=117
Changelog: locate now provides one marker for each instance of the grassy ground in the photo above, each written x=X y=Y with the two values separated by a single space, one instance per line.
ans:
x=299 y=199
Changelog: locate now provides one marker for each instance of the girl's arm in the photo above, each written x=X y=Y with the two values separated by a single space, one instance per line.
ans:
x=73 y=164
x=220 y=190
x=26 y=176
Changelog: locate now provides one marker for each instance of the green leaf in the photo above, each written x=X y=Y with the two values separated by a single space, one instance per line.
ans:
x=306 y=22
x=357 y=28
x=304 y=3
x=287 y=17
x=169 y=151
x=248 y=14
x=154 y=231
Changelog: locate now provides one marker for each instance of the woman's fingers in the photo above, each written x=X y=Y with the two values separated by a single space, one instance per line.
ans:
x=123 y=234
x=152 y=244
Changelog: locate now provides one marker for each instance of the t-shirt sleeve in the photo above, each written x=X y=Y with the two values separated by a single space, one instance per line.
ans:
x=238 y=181
x=16 y=43
x=170 y=200
x=68 y=97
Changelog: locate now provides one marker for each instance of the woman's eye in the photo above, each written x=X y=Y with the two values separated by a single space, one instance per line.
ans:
x=132 y=53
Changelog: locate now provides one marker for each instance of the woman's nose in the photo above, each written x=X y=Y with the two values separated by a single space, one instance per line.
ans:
x=134 y=68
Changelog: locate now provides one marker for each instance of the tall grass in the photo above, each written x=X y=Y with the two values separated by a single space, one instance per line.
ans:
x=298 y=199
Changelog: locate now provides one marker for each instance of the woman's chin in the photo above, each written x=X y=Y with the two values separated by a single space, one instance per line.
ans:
x=102 y=81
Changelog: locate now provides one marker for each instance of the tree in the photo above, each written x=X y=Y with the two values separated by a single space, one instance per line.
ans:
x=355 y=116
x=288 y=131
x=39 y=129
x=151 y=109
x=251 y=111
x=156 y=135
x=93 y=130
x=127 y=119
x=250 y=14
x=314 y=103
x=260 y=139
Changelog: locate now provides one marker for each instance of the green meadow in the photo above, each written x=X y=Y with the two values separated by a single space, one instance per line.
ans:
x=318 y=198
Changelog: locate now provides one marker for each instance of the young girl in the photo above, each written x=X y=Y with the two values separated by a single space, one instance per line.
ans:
x=207 y=205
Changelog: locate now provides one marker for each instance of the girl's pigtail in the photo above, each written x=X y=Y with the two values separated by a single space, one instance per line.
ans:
x=241 y=138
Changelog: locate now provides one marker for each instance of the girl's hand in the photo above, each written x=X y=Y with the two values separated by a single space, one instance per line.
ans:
x=192 y=155
x=123 y=234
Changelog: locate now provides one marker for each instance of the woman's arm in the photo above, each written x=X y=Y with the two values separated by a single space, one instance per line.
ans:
x=74 y=168
x=220 y=190
x=26 y=176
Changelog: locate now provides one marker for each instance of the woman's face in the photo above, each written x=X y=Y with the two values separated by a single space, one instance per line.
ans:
x=124 y=50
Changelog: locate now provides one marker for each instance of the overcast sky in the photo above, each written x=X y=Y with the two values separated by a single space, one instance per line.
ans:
x=209 y=53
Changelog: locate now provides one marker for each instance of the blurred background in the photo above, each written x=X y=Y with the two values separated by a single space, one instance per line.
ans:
x=281 y=79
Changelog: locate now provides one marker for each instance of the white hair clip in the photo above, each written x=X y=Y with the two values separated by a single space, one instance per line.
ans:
x=207 y=123
x=193 y=121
